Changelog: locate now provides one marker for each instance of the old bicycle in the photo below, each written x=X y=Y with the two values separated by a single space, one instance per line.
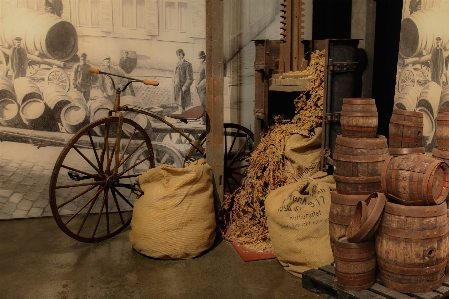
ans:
x=93 y=187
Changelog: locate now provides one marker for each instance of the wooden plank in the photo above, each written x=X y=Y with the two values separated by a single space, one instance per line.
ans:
x=380 y=289
x=318 y=281
x=364 y=294
x=323 y=280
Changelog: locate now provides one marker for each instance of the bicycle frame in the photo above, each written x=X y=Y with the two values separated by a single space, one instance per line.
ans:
x=119 y=109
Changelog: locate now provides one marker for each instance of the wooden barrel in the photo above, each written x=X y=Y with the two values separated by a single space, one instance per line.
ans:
x=358 y=118
x=341 y=210
x=407 y=99
x=99 y=108
x=355 y=264
x=9 y=113
x=358 y=164
x=7 y=88
x=77 y=97
x=412 y=247
x=429 y=98
x=26 y=89
x=45 y=33
x=56 y=98
x=447 y=265
x=406 y=129
x=74 y=117
x=442 y=128
x=140 y=119
x=419 y=30
x=415 y=180
x=444 y=100
x=37 y=116
x=441 y=154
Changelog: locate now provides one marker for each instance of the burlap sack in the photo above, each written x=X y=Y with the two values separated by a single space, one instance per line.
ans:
x=303 y=154
x=298 y=223
x=175 y=218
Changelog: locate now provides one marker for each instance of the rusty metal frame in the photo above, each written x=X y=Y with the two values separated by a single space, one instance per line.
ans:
x=214 y=94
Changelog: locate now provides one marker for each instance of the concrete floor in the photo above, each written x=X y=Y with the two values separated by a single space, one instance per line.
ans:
x=37 y=260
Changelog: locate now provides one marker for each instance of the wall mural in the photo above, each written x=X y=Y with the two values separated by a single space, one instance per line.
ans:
x=47 y=96
x=422 y=70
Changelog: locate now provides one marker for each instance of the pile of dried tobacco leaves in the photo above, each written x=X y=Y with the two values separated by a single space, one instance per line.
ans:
x=243 y=211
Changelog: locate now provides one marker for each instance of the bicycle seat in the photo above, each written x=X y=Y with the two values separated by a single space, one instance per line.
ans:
x=190 y=114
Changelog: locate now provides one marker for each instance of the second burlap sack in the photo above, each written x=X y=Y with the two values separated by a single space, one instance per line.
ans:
x=175 y=218
x=298 y=223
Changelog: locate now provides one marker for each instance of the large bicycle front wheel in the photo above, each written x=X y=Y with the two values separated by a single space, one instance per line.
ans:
x=89 y=200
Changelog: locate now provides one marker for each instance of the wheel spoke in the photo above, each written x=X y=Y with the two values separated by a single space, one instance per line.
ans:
x=75 y=197
x=81 y=184
x=79 y=171
x=164 y=158
x=239 y=151
x=95 y=151
x=131 y=167
x=87 y=214
x=91 y=200
x=105 y=199
x=127 y=157
x=123 y=197
x=130 y=176
x=87 y=160
x=117 y=205
x=127 y=145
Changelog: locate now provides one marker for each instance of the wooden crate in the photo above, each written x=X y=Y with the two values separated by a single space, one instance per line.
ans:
x=323 y=281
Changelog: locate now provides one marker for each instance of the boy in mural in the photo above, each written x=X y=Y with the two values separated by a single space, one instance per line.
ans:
x=54 y=7
x=19 y=59
x=182 y=80
x=82 y=79
x=106 y=84
x=201 y=83
x=437 y=62
x=128 y=64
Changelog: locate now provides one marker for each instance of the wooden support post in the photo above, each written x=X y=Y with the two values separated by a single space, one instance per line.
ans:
x=214 y=93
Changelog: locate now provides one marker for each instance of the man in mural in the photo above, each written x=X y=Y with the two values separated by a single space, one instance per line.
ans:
x=415 y=5
x=437 y=62
x=182 y=80
x=54 y=7
x=82 y=79
x=19 y=60
x=201 y=82
x=106 y=84
x=128 y=64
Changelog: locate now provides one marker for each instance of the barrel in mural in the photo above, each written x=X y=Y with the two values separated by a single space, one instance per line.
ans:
x=41 y=32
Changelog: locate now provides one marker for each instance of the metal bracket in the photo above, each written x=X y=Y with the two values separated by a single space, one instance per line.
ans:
x=332 y=117
x=342 y=67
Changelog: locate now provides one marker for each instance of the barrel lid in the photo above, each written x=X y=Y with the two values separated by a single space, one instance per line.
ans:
x=366 y=218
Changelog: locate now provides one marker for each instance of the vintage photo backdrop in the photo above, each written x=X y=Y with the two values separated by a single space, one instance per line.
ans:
x=422 y=70
x=42 y=108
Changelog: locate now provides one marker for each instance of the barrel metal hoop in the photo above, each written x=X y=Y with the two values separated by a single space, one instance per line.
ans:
x=358 y=114
x=364 y=179
x=414 y=235
x=410 y=270
x=416 y=211
x=374 y=143
x=354 y=158
x=347 y=199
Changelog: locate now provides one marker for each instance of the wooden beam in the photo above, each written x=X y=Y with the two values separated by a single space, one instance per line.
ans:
x=214 y=93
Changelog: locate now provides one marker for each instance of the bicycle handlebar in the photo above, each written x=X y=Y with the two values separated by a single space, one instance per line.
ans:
x=146 y=81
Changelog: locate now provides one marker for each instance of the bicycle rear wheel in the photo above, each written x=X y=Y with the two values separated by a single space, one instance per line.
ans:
x=90 y=202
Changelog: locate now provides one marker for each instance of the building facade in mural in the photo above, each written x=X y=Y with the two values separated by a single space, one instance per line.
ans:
x=56 y=97
x=422 y=76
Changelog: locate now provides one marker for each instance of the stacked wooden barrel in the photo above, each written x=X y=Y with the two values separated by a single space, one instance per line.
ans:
x=358 y=158
x=412 y=240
